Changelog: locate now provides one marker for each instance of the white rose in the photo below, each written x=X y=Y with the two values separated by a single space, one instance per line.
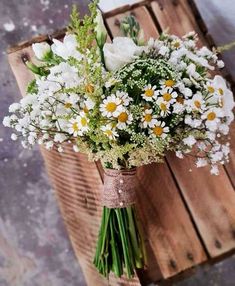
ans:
x=41 y=50
x=123 y=50
x=67 y=48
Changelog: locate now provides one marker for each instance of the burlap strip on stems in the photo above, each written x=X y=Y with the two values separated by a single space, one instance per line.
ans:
x=119 y=188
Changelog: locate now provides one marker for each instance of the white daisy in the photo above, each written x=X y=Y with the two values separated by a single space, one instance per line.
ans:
x=210 y=87
x=163 y=106
x=225 y=97
x=212 y=118
x=73 y=126
x=169 y=95
x=125 y=98
x=150 y=92
x=111 y=106
x=160 y=129
x=166 y=83
x=176 y=44
x=109 y=131
x=124 y=119
x=197 y=102
x=70 y=100
x=148 y=119
x=83 y=122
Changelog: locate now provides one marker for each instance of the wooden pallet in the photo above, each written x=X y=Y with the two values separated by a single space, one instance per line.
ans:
x=188 y=217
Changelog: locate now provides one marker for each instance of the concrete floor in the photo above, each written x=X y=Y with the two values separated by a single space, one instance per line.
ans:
x=34 y=246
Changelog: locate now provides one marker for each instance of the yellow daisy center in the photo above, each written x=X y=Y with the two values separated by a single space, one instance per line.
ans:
x=68 y=105
x=176 y=44
x=180 y=99
x=221 y=92
x=167 y=96
x=111 y=106
x=147 y=117
x=75 y=126
x=108 y=132
x=211 y=116
x=211 y=89
x=123 y=117
x=163 y=106
x=149 y=92
x=83 y=121
x=169 y=83
x=89 y=88
x=197 y=103
x=158 y=130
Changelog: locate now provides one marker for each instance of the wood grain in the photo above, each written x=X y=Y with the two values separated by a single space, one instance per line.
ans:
x=167 y=225
x=175 y=16
x=230 y=167
x=22 y=74
x=211 y=201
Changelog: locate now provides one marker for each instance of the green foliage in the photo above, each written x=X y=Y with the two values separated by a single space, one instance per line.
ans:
x=84 y=29
x=32 y=87
x=130 y=28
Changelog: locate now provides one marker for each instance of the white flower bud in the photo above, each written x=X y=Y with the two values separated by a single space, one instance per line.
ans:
x=41 y=50
x=101 y=33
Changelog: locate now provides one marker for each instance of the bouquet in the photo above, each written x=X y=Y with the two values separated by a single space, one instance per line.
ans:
x=126 y=103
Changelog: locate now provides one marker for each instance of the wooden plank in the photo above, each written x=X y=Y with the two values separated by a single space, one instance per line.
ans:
x=22 y=74
x=172 y=238
x=230 y=167
x=175 y=16
x=211 y=200
x=143 y=17
x=167 y=225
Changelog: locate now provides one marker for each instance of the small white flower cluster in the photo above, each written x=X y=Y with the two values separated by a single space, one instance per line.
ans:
x=155 y=97
x=52 y=114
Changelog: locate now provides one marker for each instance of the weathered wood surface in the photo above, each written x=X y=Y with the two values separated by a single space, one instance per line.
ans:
x=188 y=217
x=230 y=167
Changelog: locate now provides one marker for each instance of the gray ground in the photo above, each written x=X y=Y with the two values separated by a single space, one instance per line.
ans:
x=34 y=247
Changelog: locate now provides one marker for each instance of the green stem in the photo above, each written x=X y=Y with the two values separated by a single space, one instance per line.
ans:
x=124 y=242
x=134 y=240
x=116 y=262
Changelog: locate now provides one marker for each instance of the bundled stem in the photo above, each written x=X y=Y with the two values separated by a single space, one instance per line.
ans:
x=120 y=246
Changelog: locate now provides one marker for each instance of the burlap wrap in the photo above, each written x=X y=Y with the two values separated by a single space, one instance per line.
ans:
x=119 y=188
